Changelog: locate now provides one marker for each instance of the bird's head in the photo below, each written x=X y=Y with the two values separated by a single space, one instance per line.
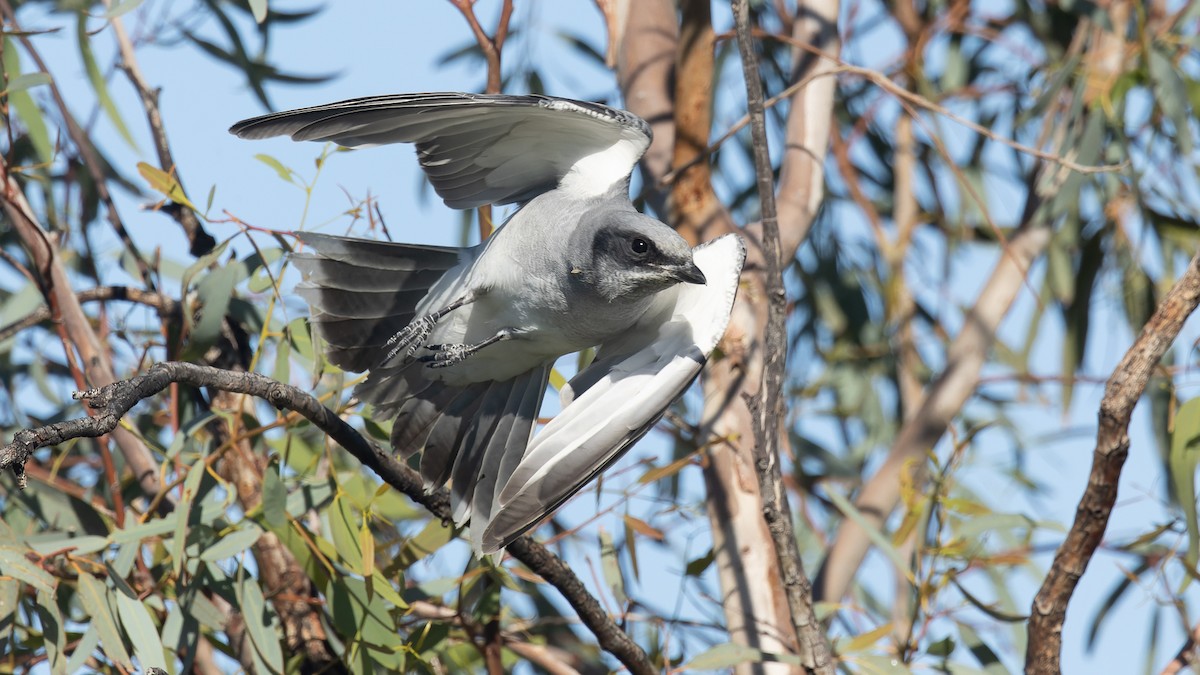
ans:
x=629 y=256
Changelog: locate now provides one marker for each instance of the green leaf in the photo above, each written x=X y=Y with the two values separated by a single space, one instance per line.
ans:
x=83 y=650
x=213 y=295
x=981 y=651
x=13 y=563
x=261 y=622
x=27 y=81
x=233 y=543
x=696 y=567
x=1184 y=457
x=274 y=497
x=27 y=110
x=434 y=536
x=343 y=525
x=155 y=527
x=122 y=7
x=94 y=597
x=282 y=171
x=139 y=626
x=97 y=80
x=166 y=184
x=54 y=636
x=364 y=619
x=1170 y=94
x=191 y=487
x=724 y=656
x=611 y=568
x=877 y=538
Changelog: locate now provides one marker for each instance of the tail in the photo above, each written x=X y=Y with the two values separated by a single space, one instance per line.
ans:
x=362 y=292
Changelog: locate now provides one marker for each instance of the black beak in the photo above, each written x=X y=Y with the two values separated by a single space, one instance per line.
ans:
x=689 y=273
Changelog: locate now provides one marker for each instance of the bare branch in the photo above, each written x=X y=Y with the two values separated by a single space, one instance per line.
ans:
x=165 y=306
x=97 y=368
x=645 y=68
x=815 y=654
x=1187 y=655
x=695 y=210
x=1121 y=394
x=200 y=242
x=84 y=146
x=111 y=402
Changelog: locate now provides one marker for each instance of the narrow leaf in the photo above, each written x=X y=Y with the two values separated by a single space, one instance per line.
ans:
x=139 y=626
x=94 y=597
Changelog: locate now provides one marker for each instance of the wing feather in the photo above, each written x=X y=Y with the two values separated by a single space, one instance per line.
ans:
x=478 y=148
x=617 y=399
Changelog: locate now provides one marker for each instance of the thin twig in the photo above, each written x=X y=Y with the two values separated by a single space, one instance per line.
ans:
x=1186 y=656
x=815 y=653
x=96 y=363
x=1121 y=394
x=200 y=242
x=166 y=306
x=83 y=145
x=883 y=82
x=111 y=402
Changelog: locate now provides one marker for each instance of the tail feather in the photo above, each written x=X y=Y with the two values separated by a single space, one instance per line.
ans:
x=362 y=292
x=493 y=410
x=448 y=434
x=508 y=440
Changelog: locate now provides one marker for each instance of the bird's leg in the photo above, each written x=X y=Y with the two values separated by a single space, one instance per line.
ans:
x=411 y=336
x=451 y=354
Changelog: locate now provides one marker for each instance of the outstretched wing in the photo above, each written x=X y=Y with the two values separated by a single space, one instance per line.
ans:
x=615 y=401
x=481 y=148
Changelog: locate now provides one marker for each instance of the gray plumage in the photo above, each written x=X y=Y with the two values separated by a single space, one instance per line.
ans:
x=459 y=342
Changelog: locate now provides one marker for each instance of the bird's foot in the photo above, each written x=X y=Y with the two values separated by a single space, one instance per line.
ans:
x=453 y=354
x=409 y=338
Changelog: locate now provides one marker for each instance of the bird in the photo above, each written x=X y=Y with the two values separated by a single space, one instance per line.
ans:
x=459 y=343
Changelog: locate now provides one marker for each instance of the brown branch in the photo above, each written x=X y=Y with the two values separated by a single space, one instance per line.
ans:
x=97 y=368
x=550 y=659
x=1186 y=656
x=491 y=46
x=111 y=402
x=1121 y=394
x=200 y=242
x=815 y=654
x=84 y=146
x=645 y=69
x=166 y=306
x=694 y=209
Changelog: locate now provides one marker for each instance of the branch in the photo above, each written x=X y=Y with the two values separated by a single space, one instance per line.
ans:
x=815 y=653
x=166 y=306
x=645 y=68
x=1186 y=656
x=200 y=242
x=111 y=402
x=95 y=362
x=695 y=210
x=1121 y=394
x=84 y=146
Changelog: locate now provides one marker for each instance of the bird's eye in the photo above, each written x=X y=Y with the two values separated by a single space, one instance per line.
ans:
x=639 y=246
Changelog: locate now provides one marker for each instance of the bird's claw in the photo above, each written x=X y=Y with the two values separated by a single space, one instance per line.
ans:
x=410 y=338
x=447 y=355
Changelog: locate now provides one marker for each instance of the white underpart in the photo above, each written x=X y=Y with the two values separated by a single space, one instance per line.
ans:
x=594 y=174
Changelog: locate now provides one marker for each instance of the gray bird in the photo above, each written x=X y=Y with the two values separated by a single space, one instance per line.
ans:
x=460 y=342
